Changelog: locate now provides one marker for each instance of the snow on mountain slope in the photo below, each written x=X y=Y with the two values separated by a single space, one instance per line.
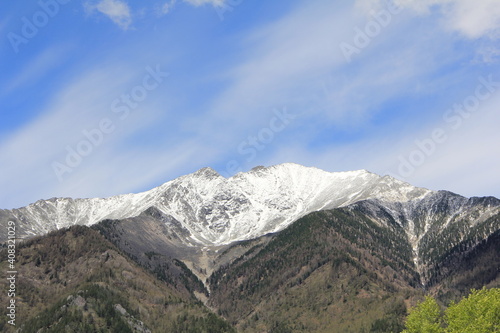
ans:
x=437 y=222
x=216 y=210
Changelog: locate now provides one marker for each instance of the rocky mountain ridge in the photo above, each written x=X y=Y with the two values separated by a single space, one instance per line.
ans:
x=216 y=210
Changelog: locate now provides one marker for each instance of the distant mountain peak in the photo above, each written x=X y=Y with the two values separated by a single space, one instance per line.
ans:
x=207 y=172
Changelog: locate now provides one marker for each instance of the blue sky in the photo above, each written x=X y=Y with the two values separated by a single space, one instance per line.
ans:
x=104 y=97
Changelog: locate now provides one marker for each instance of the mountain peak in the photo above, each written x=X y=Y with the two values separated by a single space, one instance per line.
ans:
x=207 y=172
x=217 y=210
x=258 y=168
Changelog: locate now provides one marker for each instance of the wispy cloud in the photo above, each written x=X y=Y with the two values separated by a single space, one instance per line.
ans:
x=26 y=155
x=466 y=163
x=296 y=62
x=226 y=85
x=37 y=68
x=205 y=2
x=473 y=19
x=167 y=7
x=279 y=59
x=116 y=10
x=489 y=53
x=120 y=12
x=287 y=58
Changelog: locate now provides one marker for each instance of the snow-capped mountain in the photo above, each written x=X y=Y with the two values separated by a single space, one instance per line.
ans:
x=217 y=210
x=436 y=223
x=193 y=216
x=209 y=209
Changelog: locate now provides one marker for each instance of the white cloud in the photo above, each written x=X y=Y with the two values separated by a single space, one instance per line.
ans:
x=474 y=153
x=473 y=19
x=118 y=11
x=27 y=154
x=465 y=163
x=279 y=59
x=216 y=3
x=286 y=63
x=295 y=59
x=167 y=7
x=37 y=68
x=488 y=54
x=278 y=65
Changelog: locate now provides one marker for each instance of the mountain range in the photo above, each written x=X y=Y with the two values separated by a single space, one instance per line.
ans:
x=287 y=248
x=215 y=210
